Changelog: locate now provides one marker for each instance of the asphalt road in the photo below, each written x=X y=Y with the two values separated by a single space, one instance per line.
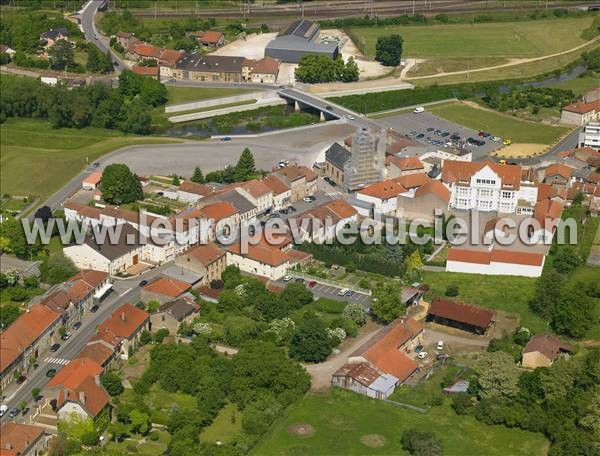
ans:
x=125 y=291
x=88 y=12
x=323 y=290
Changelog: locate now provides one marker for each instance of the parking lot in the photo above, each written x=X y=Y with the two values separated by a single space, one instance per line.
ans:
x=322 y=290
x=422 y=127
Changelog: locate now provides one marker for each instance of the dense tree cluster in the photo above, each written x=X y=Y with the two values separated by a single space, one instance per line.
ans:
x=119 y=185
x=388 y=50
x=126 y=108
x=560 y=401
x=97 y=62
x=530 y=98
x=260 y=380
x=592 y=59
x=320 y=68
x=57 y=268
x=243 y=170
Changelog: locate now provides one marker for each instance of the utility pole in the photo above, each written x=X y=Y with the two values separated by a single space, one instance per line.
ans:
x=413 y=7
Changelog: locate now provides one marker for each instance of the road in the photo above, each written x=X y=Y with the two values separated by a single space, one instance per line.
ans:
x=125 y=291
x=568 y=142
x=88 y=12
x=324 y=290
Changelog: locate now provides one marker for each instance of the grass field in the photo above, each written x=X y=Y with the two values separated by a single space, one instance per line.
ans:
x=226 y=425
x=498 y=124
x=500 y=39
x=340 y=419
x=580 y=85
x=37 y=159
x=177 y=95
x=507 y=293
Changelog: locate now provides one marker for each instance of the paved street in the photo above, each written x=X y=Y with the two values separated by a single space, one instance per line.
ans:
x=323 y=290
x=92 y=35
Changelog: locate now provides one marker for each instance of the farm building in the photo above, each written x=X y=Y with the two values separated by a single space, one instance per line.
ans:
x=460 y=315
x=542 y=350
x=298 y=40
x=363 y=378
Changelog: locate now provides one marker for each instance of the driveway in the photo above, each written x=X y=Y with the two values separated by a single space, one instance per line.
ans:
x=321 y=373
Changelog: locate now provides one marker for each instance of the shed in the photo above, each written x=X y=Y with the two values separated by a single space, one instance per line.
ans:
x=460 y=315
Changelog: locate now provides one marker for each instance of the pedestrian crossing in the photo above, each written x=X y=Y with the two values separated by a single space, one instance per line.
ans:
x=335 y=195
x=60 y=361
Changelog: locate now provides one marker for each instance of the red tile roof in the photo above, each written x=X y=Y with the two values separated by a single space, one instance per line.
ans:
x=206 y=253
x=24 y=331
x=583 y=108
x=413 y=180
x=211 y=36
x=454 y=171
x=167 y=287
x=266 y=65
x=262 y=253
x=170 y=57
x=341 y=208
x=495 y=255
x=405 y=163
x=93 y=179
x=145 y=70
x=75 y=372
x=98 y=351
x=16 y=438
x=436 y=188
x=88 y=393
x=461 y=312
x=383 y=190
x=469 y=256
x=255 y=188
x=219 y=211
x=547 y=345
x=147 y=50
x=557 y=169
x=197 y=189
x=124 y=321
x=276 y=185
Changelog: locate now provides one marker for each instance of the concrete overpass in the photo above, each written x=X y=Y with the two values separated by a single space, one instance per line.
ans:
x=329 y=111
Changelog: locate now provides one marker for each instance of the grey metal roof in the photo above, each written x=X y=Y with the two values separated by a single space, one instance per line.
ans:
x=178 y=309
x=53 y=33
x=337 y=155
x=384 y=383
x=237 y=201
x=129 y=239
x=211 y=63
x=302 y=28
x=180 y=273
x=292 y=43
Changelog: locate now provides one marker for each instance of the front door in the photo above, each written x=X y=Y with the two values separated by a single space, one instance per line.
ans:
x=135 y=259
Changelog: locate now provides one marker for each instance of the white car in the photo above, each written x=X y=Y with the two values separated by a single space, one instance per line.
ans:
x=422 y=355
x=308 y=199
x=419 y=109
x=287 y=278
x=350 y=117
x=343 y=292
x=3 y=409
x=440 y=345
x=496 y=139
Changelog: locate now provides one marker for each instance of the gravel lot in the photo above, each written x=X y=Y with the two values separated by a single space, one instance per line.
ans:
x=406 y=123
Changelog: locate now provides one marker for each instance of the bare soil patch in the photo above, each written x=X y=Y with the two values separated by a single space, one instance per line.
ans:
x=303 y=430
x=520 y=150
x=373 y=440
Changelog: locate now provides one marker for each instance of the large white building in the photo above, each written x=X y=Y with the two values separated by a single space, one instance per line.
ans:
x=488 y=186
x=590 y=136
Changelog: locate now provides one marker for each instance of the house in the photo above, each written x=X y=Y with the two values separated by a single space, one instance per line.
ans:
x=580 y=113
x=300 y=38
x=53 y=35
x=487 y=186
x=262 y=259
x=209 y=67
x=22 y=439
x=151 y=71
x=99 y=351
x=558 y=175
x=30 y=335
x=262 y=71
x=206 y=259
x=247 y=211
x=225 y=218
x=209 y=38
x=164 y=289
x=282 y=193
x=124 y=327
x=123 y=38
x=460 y=315
x=336 y=158
x=383 y=195
x=590 y=135
x=386 y=357
x=258 y=193
x=172 y=314
x=301 y=180
x=191 y=192
x=323 y=222
x=421 y=202
x=78 y=392
x=92 y=181
x=401 y=166
x=4 y=49
x=542 y=350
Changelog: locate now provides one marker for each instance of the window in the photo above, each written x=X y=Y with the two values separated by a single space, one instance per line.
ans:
x=486 y=181
x=507 y=194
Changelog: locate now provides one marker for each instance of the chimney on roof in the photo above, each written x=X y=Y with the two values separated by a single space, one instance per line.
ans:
x=123 y=316
x=82 y=397
x=97 y=379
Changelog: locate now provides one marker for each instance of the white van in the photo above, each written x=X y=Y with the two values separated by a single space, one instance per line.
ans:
x=343 y=292
x=3 y=409
x=419 y=109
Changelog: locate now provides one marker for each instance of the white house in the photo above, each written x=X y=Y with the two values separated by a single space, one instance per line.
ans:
x=258 y=193
x=261 y=259
x=191 y=192
x=383 y=195
x=282 y=193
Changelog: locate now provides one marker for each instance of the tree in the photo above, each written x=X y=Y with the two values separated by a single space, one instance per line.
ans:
x=175 y=180
x=57 y=268
x=35 y=392
x=310 y=341
x=112 y=383
x=43 y=213
x=260 y=415
x=421 y=443
x=198 y=177
x=351 y=72
x=140 y=422
x=388 y=50
x=296 y=295
x=231 y=276
x=451 y=290
x=245 y=168
x=119 y=431
x=356 y=313
x=61 y=55
x=145 y=337
x=160 y=335
x=547 y=293
x=591 y=419
x=497 y=375
x=566 y=260
x=119 y=185
x=387 y=304
x=97 y=62
x=574 y=312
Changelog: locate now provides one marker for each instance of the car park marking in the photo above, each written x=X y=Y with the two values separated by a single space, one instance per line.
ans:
x=60 y=361
x=125 y=292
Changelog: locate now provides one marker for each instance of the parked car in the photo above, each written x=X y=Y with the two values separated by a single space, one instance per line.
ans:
x=21 y=379
x=312 y=284
x=299 y=280
x=143 y=283
x=419 y=348
x=94 y=309
x=440 y=345
x=350 y=293
x=419 y=109
x=329 y=108
x=96 y=164
x=350 y=117
x=412 y=133
x=507 y=142
x=343 y=292
x=287 y=278
x=308 y=199
x=292 y=209
x=66 y=336
x=3 y=409
x=50 y=373
x=54 y=347
x=225 y=138
x=422 y=355
x=14 y=412
x=496 y=139
x=420 y=136
x=430 y=129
